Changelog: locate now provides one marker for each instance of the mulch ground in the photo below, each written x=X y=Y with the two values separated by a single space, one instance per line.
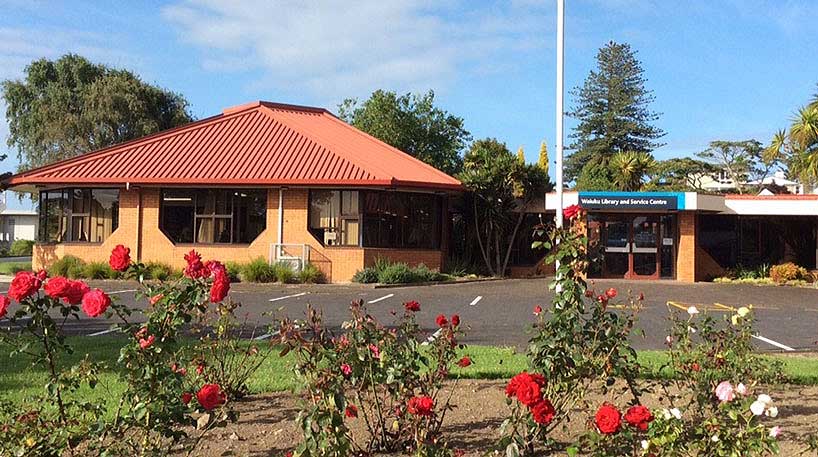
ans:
x=267 y=428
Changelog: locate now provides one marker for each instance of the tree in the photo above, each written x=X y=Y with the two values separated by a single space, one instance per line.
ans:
x=413 y=124
x=741 y=160
x=543 y=159
x=612 y=108
x=630 y=169
x=502 y=188
x=681 y=174
x=71 y=106
x=798 y=147
x=521 y=155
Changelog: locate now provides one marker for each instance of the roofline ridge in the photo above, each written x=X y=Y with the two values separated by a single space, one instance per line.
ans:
x=311 y=137
x=375 y=140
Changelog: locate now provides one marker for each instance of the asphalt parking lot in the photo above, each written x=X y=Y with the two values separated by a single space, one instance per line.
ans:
x=498 y=312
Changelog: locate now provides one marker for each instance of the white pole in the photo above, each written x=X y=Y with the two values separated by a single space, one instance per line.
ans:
x=560 y=110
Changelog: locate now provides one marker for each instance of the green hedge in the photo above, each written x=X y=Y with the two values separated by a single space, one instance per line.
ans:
x=21 y=248
x=385 y=272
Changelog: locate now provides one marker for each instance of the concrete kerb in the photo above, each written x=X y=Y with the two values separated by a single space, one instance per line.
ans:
x=435 y=283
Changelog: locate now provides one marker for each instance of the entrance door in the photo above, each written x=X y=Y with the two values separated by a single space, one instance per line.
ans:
x=631 y=245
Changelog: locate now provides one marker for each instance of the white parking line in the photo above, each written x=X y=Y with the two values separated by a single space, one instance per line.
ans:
x=288 y=296
x=105 y=332
x=474 y=302
x=382 y=298
x=263 y=337
x=774 y=343
x=432 y=337
x=121 y=291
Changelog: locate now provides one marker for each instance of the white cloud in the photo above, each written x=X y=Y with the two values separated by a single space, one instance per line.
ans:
x=353 y=47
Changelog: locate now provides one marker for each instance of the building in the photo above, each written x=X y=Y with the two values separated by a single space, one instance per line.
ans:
x=688 y=236
x=281 y=182
x=17 y=225
x=722 y=182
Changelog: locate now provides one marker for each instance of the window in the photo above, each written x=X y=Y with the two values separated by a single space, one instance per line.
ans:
x=83 y=215
x=213 y=215
x=334 y=217
x=401 y=220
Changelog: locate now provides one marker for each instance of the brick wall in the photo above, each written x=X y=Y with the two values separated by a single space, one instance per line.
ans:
x=686 y=251
x=338 y=264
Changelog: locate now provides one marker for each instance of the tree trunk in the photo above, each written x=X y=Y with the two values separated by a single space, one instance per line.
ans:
x=480 y=239
x=511 y=240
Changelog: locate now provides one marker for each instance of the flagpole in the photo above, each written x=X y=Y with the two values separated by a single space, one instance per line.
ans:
x=559 y=109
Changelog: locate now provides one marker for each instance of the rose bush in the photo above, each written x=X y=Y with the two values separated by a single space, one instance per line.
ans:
x=392 y=378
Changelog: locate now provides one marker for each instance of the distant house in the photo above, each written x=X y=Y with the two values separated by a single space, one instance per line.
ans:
x=721 y=182
x=17 y=225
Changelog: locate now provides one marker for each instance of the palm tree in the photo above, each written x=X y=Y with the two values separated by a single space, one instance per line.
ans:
x=798 y=147
x=629 y=169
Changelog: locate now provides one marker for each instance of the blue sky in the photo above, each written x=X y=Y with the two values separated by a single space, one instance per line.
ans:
x=720 y=69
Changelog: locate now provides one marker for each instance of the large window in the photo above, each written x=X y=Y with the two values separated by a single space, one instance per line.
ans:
x=83 y=215
x=213 y=215
x=334 y=217
x=376 y=219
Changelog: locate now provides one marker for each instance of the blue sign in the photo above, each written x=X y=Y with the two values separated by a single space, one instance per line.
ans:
x=630 y=201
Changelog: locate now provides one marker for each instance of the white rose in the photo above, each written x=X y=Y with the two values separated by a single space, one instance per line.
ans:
x=775 y=431
x=764 y=398
x=758 y=407
x=772 y=412
x=692 y=310
x=743 y=311
x=741 y=389
x=676 y=413
x=645 y=444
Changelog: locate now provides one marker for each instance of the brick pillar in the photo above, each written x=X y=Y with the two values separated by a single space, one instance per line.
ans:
x=686 y=250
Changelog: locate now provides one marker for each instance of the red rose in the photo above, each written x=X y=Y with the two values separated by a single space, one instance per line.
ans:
x=24 y=285
x=412 y=306
x=529 y=392
x=200 y=368
x=420 y=406
x=639 y=417
x=57 y=287
x=608 y=419
x=155 y=299
x=543 y=412
x=4 y=305
x=464 y=362
x=441 y=320
x=42 y=274
x=571 y=212
x=120 y=258
x=695 y=367
x=220 y=286
x=95 y=302
x=537 y=310
x=211 y=396
x=611 y=293
x=195 y=268
x=76 y=291
x=455 y=320
x=145 y=343
x=351 y=411
x=186 y=397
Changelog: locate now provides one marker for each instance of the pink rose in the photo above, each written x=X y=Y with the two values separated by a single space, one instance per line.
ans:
x=725 y=391
x=346 y=369
x=95 y=302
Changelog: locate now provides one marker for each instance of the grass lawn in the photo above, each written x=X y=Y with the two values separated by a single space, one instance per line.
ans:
x=18 y=379
x=11 y=268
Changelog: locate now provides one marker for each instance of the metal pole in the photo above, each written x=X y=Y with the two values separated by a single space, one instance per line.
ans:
x=560 y=110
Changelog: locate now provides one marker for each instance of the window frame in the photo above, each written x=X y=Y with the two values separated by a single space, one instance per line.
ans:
x=67 y=216
x=195 y=194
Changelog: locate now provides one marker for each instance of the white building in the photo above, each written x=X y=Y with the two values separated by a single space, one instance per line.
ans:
x=721 y=182
x=16 y=224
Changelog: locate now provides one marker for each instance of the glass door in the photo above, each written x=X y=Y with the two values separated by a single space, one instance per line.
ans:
x=645 y=247
x=617 y=248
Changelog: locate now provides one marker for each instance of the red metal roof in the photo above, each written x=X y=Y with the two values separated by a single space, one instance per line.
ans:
x=259 y=143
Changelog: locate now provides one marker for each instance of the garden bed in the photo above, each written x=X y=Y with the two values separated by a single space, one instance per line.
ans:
x=267 y=426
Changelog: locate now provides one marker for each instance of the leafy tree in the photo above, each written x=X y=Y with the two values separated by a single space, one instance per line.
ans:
x=71 y=106
x=612 y=108
x=413 y=124
x=681 y=174
x=630 y=169
x=798 y=147
x=502 y=187
x=741 y=160
x=543 y=159
x=521 y=155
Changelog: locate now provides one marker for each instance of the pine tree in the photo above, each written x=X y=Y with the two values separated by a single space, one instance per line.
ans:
x=612 y=107
x=521 y=155
x=543 y=160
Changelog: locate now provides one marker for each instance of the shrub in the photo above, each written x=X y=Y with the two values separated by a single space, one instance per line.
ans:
x=377 y=371
x=310 y=274
x=788 y=272
x=99 y=270
x=160 y=271
x=258 y=270
x=283 y=272
x=69 y=266
x=459 y=267
x=396 y=273
x=234 y=270
x=367 y=275
x=21 y=247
